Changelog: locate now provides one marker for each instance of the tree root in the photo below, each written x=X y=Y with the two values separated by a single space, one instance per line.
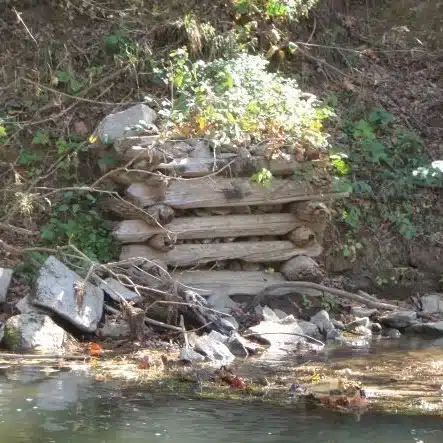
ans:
x=296 y=286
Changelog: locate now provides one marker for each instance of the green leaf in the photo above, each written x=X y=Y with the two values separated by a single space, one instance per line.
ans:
x=41 y=138
x=3 y=132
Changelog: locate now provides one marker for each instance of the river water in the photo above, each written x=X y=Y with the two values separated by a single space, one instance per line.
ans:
x=72 y=407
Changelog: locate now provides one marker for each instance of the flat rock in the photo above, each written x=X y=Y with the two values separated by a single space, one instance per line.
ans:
x=55 y=290
x=399 y=319
x=5 y=281
x=432 y=328
x=24 y=305
x=123 y=144
x=116 y=125
x=213 y=349
x=280 y=336
x=35 y=331
x=113 y=287
x=302 y=268
x=269 y=315
x=432 y=303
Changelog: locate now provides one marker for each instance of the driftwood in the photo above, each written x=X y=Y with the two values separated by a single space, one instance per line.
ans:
x=185 y=228
x=219 y=192
x=191 y=255
x=227 y=283
x=301 y=286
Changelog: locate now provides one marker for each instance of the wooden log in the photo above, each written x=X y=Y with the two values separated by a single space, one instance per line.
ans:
x=198 y=254
x=227 y=283
x=213 y=192
x=134 y=231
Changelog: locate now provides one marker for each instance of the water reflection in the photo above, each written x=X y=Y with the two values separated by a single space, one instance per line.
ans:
x=73 y=408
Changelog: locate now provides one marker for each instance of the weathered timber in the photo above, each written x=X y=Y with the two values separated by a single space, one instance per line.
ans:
x=154 y=215
x=188 y=228
x=198 y=254
x=227 y=283
x=190 y=167
x=218 y=192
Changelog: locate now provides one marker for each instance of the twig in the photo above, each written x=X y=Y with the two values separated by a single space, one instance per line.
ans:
x=18 y=230
x=255 y=334
x=19 y=18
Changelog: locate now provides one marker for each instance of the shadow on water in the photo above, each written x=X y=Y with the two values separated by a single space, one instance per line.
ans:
x=71 y=407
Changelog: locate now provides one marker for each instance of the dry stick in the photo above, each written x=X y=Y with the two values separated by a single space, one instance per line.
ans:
x=255 y=334
x=291 y=286
x=19 y=18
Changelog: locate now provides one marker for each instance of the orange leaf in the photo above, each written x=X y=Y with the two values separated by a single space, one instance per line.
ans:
x=95 y=349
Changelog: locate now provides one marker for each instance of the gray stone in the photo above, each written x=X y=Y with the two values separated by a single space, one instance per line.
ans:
x=242 y=347
x=279 y=313
x=56 y=290
x=432 y=303
x=113 y=287
x=213 y=349
x=116 y=125
x=5 y=281
x=310 y=329
x=323 y=322
x=363 y=312
x=114 y=329
x=391 y=333
x=399 y=319
x=434 y=329
x=302 y=268
x=358 y=322
x=35 y=331
x=269 y=315
x=24 y=305
x=338 y=324
x=222 y=303
x=188 y=354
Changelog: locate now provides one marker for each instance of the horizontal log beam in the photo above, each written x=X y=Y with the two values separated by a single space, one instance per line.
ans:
x=189 y=228
x=191 y=255
x=221 y=192
x=227 y=283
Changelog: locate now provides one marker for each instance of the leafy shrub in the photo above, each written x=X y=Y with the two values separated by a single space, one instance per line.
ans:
x=291 y=9
x=238 y=100
x=76 y=220
x=378 y=163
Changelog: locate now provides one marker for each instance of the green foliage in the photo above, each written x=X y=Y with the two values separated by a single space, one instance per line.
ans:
x=238 y=100
x=277 y=9
x=263 y=177
x=378 y=163
x=75 y=220
x=28 y=269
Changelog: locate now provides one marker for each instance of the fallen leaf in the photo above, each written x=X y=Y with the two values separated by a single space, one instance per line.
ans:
x=95 y=349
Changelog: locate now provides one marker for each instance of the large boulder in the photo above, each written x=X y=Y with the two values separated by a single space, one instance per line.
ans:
x=432 y=329
x=64 y=292
x=432 y=303
x=302 y=268
x=34 y=331
x=116 y=125
x=399 y=319
x=5 y=281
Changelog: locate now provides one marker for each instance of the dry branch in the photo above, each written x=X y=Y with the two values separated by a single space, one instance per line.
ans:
x=299 y=286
